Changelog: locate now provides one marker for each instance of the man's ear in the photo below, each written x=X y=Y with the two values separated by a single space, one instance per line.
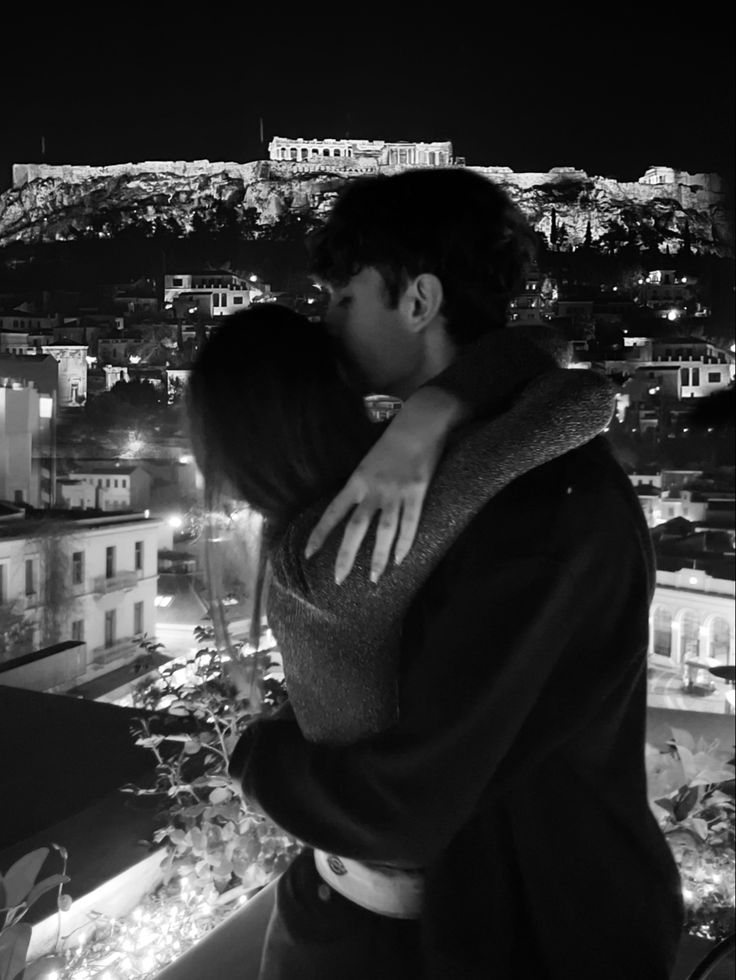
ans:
x=422 y=301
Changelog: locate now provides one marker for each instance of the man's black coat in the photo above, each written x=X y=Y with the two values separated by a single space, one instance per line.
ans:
x=516 y=773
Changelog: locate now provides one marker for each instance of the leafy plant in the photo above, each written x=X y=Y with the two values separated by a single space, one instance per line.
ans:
x=19 y=890
x=217 y=843
x=691 y=792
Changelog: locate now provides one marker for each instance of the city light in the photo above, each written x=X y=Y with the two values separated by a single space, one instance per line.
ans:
x=175 y=521
x=673 y=314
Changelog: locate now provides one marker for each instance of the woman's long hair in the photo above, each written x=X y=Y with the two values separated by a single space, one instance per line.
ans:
x=274 y=418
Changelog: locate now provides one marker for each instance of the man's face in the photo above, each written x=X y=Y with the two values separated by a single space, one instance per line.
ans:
x=375 y=338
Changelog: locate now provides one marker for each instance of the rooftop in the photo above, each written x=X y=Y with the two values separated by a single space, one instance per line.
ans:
x=36 y=521
x=103 y=470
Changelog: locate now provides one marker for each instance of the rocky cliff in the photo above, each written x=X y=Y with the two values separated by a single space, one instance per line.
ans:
x=57 y=203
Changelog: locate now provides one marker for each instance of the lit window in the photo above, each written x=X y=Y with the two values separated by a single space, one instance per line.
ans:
x=162 y=601
x=45 y=407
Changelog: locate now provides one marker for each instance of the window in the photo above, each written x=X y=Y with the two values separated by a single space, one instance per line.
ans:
x=109 y=628
x=714 y=377
x=215 y=299
x=18 y=496
x=178 y=282
x=137 y=618
x=107 y=483
x=30 y=586
x=115 y=483
x=720 y=639
x=77 y=567
x=110 y=561
x=138 y=556
x=237 y=300
x=78 y=630
x=124 y=484
x=685 y=377
x=696 y=376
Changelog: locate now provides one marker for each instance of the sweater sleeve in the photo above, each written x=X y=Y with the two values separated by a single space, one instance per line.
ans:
x=558 y=411
x=340 y=642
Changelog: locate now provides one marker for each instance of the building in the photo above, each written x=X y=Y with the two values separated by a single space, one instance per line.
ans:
x=71 y=390
x=107 y=487
x=87 y=579
x=669 y=295
x=691 y=628
x=683 y=494
x=211 y=294
x=368 y=154
x=117 y=350
x=72 y=361
x=26 y=441
x=28 y=410
x=25 y=322
x=667 y=375
x=536 y=303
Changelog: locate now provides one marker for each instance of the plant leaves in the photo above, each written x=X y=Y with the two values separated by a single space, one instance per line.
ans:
x=46 y=885
x=220 y=795
x=685 y=803
x=681 y=737
x=14 y=944
x=20 y=876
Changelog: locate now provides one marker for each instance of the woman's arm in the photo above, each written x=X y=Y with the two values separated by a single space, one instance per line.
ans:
x=340 y=642
x=557 y=412
x=394 y=476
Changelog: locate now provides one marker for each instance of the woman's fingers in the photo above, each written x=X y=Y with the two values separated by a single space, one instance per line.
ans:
x=351 y=540
x=329 y=520
x=410 y=515
x=385 y=535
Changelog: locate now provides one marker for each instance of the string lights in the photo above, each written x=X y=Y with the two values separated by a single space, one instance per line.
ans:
x=138 y=946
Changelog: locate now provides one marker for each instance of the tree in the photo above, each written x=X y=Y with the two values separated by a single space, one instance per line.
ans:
x=686 y=243
x=138 y=394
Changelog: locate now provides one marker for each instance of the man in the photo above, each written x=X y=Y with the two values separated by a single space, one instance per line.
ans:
x=515 y=776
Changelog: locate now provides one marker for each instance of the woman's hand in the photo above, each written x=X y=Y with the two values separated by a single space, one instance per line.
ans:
x=393 y=478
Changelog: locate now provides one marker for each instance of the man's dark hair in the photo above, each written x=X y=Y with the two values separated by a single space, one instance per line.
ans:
x=274 y=416
x=453 y=223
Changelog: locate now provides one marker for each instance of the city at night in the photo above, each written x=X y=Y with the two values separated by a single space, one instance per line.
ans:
x=368 y=496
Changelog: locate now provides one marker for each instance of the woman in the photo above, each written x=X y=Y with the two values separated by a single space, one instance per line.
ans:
x=277 y=421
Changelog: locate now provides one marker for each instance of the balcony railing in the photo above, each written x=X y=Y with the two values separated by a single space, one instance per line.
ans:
x=115 y=583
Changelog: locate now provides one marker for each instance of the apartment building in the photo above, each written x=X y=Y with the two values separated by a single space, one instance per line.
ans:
x=87 y=579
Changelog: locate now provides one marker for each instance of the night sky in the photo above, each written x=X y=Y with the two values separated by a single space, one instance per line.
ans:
x=608 y=90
